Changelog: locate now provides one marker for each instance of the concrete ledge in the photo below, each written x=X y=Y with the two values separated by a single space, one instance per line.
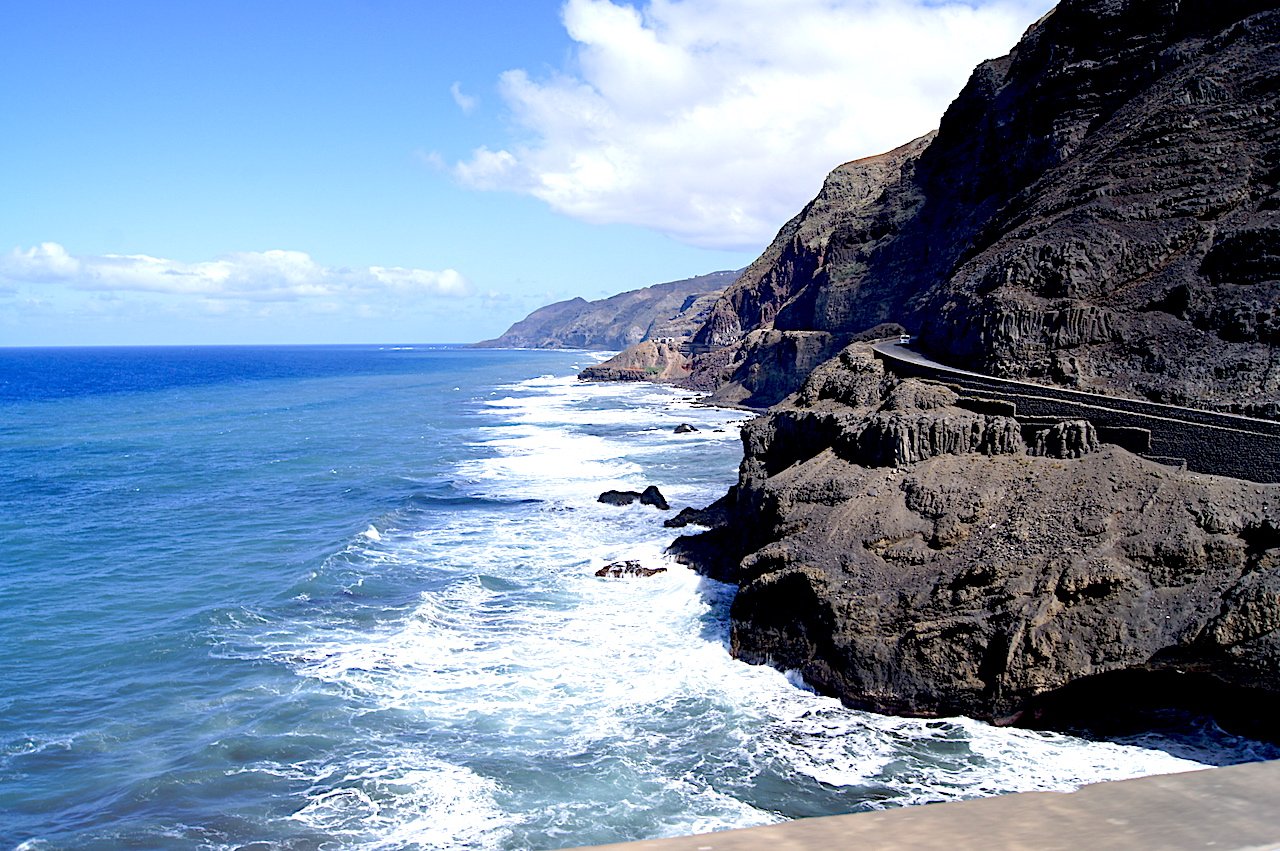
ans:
x=1236 y=808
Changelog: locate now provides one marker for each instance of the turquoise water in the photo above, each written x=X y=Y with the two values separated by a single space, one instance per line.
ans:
x=343 y=597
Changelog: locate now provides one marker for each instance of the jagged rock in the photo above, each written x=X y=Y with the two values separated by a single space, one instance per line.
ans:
x=650 y=496
x=768 y=366
x=653 y=496
x=618 y=497
x=688 y=515
x=624 y=569
x=685 y=428
x=1069 y=439
x=714 y=515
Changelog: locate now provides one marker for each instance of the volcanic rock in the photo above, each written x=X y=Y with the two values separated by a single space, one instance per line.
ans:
x=911 y=557
x=653 y=496
x=1099 y=209
x=650 y=496
x=714 y=515
x=618 y=497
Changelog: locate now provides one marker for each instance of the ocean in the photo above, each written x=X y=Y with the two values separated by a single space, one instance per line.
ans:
x=343 y=597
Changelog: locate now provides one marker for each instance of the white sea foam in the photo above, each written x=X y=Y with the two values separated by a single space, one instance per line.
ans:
x=411 y=801
x=581 y=710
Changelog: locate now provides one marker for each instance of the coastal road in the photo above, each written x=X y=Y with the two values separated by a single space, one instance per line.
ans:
x=1206 y=441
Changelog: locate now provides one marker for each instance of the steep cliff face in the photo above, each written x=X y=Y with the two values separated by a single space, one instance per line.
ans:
x=1146 y=259
x=675 y=309
x=912 y=555
x=796 y=263
x=1098 y=209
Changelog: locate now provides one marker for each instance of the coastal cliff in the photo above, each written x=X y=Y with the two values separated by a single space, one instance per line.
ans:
x=671 y=310
x=1097 y=211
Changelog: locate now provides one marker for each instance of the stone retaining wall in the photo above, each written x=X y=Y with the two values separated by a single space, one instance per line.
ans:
x=1208 y=442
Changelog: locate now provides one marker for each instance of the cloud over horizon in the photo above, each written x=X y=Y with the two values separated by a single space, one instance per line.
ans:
x=260 y=276
x=714 y=121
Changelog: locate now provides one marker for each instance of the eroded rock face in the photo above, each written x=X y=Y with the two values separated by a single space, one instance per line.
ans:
x=912 y=557
x=650 y=360
x=796 y=259
x=1146 y=259
x=768 y=365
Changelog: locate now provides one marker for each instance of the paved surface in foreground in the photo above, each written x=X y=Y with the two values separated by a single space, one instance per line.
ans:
x=1236 y=808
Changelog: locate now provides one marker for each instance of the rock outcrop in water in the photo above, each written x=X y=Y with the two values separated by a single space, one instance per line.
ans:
x=673 y=310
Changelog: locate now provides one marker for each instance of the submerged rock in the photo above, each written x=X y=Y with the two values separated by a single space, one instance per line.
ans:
x=625 y=569
x=618 y=497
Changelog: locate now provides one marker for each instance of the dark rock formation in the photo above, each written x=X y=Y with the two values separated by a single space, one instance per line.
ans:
x=1099 y=209
x=628 y=568
x=653 y=496
x=672 y=310
x=685 y=428
x=650 y=496
x=618 y=497
x=911 y=557
x=714 y=515
x=795 y=267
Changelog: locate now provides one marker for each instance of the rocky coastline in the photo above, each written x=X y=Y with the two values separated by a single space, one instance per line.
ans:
x=915 y=557
x=1098 y=211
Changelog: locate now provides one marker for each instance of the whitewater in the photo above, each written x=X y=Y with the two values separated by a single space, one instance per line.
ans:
x=345 y=598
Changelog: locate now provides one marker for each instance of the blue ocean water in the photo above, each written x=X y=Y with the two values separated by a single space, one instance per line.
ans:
x=344 y=598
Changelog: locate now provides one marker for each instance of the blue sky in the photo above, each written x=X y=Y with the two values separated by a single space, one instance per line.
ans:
x=396 y=171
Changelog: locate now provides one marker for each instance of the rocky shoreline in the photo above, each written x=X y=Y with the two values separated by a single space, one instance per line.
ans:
x=1099 y=211
x=913 y=557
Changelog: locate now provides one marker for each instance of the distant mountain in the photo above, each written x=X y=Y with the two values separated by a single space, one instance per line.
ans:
x=674 y=309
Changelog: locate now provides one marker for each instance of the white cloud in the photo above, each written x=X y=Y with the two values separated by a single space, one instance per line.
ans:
x=263 y=276
x=465 y=102
x=714 y=121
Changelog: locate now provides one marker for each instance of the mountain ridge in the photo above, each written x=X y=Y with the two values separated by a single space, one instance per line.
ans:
x=672 y=309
